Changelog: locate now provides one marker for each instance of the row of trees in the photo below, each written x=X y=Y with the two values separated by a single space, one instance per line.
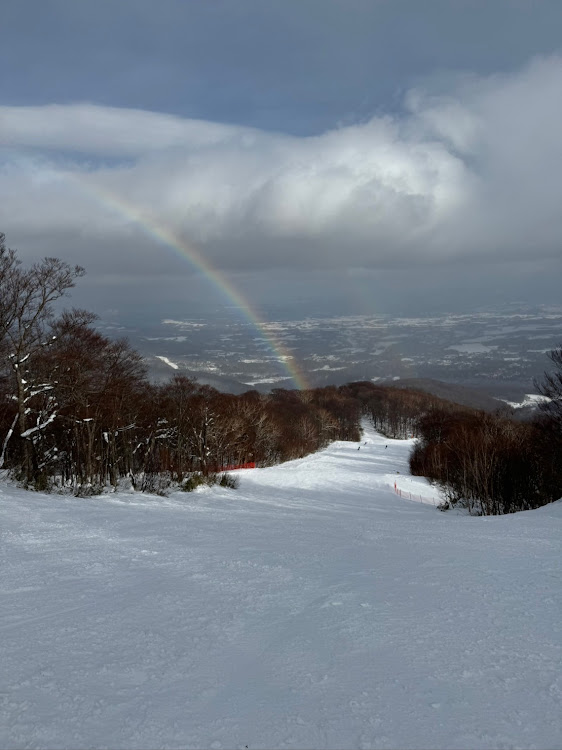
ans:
x=77 y=407
x=111 y=422
x=395 y=411
x=490 y=463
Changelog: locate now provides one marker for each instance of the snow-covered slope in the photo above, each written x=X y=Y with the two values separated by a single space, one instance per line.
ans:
x=530 y=399
x=310 y=608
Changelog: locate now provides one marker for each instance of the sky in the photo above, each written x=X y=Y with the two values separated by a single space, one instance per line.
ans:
x=318 y=155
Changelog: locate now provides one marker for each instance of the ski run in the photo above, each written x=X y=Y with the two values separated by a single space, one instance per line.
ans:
x=311 y=608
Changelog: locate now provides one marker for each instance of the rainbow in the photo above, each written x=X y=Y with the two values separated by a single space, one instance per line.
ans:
x=165 y=236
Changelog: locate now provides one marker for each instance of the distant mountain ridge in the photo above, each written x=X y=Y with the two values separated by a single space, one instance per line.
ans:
x=477 y=398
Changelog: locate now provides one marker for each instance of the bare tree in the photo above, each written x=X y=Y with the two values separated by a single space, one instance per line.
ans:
x=27 y=297
x=551 y=388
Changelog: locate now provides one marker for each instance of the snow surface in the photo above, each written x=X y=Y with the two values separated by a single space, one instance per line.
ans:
x=310 y=608
x=168 y=362
x=530 y=399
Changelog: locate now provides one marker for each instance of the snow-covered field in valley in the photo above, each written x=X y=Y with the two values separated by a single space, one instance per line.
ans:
x=310 y=608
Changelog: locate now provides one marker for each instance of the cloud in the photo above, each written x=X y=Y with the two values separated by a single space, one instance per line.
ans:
x=468 y=174
x=107 y=131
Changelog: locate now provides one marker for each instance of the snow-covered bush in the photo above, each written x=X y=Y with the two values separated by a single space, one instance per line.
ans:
x=193 y=481
x=198 y=479
x=229 y=480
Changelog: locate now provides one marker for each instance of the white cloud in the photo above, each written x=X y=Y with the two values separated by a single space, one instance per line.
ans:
x=106 y=131
x=472 y=173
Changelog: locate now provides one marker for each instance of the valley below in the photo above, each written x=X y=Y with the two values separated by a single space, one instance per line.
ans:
x=497 y=352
